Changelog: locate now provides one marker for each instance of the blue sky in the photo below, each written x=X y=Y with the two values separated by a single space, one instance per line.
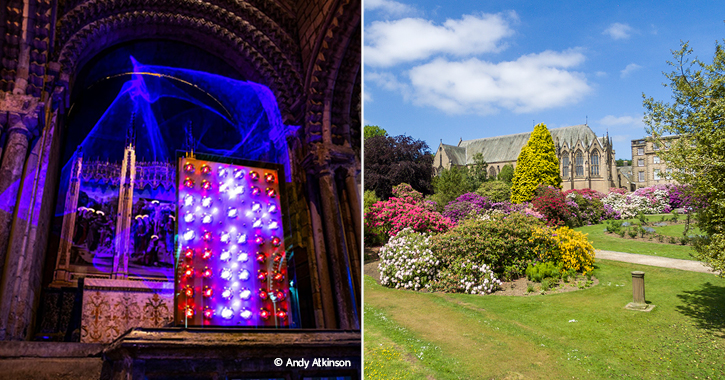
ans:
x=470 y=69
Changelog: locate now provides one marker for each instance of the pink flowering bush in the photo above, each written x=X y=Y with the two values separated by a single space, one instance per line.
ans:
x=407 y=211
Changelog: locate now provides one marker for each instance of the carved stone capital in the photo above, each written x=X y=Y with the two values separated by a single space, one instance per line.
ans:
x=324 y=159
x=21 y=113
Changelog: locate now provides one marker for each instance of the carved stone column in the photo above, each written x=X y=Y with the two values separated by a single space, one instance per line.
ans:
x=11 y=170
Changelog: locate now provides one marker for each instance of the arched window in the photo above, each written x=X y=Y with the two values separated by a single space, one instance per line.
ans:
x=579 y=161
x=492 y=172
x=595 y=164
x=566 y=165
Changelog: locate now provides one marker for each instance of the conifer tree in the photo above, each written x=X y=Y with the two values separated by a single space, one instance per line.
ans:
x=537 y=165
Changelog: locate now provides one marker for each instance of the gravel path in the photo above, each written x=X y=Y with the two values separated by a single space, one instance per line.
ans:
x=665 y=262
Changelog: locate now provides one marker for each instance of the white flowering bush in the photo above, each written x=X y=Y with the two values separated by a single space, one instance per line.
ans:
x=648 y=200
x=407 y=261
x=466 y=276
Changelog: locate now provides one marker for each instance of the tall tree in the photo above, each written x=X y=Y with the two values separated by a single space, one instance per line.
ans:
x=390 y=161
x=374 y=130
x=697 y=116
x=506 y=174
x=537 y=165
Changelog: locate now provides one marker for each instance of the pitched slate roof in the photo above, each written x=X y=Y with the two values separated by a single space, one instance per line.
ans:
x=508 y=147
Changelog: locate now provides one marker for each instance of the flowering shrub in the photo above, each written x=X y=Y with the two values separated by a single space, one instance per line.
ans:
x=564 y=246
x=498 y=240
x=551 y=202
x=464 y=205
x=407 y=261
x=407 y=211
x=648 y=200
x=466 y=276
x=586 y=193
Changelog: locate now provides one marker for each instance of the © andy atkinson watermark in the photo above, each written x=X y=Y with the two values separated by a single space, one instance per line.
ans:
x=315 y=363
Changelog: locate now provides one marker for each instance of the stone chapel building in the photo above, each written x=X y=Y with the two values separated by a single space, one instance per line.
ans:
x=586 y=161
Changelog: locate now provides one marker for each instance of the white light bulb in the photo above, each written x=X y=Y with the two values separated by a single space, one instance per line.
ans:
x=243 y=257
x=189 y=235
x=226 y=255
x=188 y=200
x=206 y=219
x=206 y=201
x=227 y=313
x=245 y=294
x=244 y=275
x=241 y=238
x=273 y=225
x=257 y=223
x=256 y=207
x=225 y=237
x=227 y=293
x=227 y=274
x=189 y=217
x=222 y=172
x=246 y=314
x=232 y=212
x=272 y=208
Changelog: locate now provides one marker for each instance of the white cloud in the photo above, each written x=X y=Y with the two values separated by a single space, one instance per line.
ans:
x=621 y=138
x=531 y=83
x=629 y=69
x=411 y=39
x=619 y=121
x=618 y=31
x=390 y=8
x=367 y=98
x=600 y=74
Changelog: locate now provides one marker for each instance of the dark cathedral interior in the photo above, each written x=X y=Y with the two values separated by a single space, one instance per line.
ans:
x=180 y=189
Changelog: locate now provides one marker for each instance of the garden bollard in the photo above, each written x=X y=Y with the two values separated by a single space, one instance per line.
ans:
x=638 y=287
x=639 y=302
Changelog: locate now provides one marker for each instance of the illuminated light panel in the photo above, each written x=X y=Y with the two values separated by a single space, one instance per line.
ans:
x=231 y=282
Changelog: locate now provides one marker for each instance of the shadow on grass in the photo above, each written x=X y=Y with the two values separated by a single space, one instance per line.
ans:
x=706 y=306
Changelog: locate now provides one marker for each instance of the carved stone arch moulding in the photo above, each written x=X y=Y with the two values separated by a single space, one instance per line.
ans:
x=263 y=33
x=322 y=74
x=343 y=96
x=262 y=66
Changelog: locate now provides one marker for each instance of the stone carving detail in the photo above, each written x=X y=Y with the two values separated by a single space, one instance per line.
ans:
x=112 y=307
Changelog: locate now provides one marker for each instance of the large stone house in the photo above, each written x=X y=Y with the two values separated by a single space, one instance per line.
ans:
x=648 y=169
x=586 y=161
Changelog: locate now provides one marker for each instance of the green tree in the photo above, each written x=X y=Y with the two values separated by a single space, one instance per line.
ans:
x=506 y=174
x=623 y=162
x=374 y=130
x=698 y=155
x=450 y=184
x=478 y=172
x=537 y=165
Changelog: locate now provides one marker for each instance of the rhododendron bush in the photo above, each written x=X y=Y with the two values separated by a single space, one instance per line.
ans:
x=647 y=200
x=407 y=261
x=572 y=208
x=472 y=205
x=406 y=209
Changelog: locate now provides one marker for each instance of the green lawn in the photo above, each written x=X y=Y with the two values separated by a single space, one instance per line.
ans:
x=585 y=334
x=607 y=242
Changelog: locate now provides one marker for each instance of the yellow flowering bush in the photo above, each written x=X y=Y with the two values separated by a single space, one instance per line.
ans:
x=566 y=246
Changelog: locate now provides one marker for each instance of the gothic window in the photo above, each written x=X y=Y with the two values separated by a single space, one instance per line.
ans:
x=492 y=172
x=566 y=165
x=579 y=164
x=595 y=164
